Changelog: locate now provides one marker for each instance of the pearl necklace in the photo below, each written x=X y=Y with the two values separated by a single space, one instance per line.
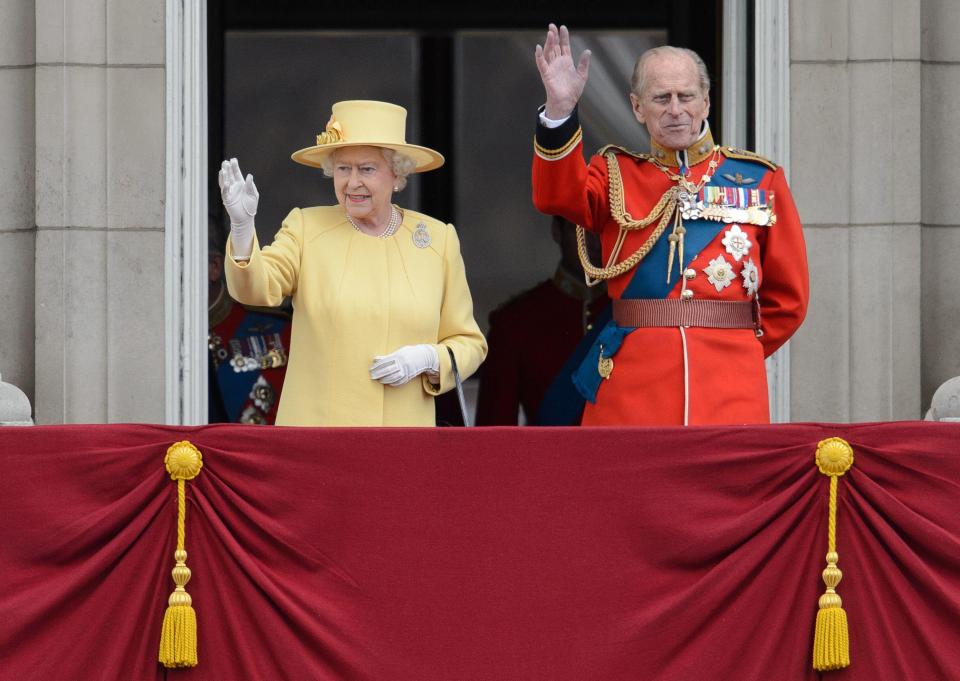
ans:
x=395 y=219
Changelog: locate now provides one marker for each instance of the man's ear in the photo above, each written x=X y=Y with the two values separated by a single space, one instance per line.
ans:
x=637 y=109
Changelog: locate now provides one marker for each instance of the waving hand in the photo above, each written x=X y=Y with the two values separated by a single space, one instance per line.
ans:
x=240 y=199
x=563 y=80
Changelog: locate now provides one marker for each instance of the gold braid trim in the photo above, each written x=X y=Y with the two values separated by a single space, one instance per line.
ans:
x=664 y=210
x=557 y=154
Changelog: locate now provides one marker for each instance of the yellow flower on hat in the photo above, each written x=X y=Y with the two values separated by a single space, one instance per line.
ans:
x=333 y=132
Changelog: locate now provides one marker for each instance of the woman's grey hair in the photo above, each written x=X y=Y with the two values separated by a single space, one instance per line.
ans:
x=401 y=164
x=639 y=80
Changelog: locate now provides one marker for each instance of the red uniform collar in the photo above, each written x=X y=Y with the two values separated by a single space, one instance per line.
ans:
x=696 y=153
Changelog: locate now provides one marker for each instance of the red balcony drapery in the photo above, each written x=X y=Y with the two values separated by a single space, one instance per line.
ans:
x=467 y=554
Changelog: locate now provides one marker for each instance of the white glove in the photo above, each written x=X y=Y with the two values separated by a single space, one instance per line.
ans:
x=406 y=363
x=240 y=198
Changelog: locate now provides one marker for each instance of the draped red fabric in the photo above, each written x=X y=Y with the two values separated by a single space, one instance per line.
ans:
x=479 y=554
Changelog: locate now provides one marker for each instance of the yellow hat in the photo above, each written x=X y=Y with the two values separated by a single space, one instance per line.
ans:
x=362 y=122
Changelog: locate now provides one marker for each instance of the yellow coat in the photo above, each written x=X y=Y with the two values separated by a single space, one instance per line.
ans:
x=355 y=296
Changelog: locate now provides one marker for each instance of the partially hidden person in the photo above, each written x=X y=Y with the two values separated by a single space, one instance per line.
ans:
x=248 y=348
x=533 y=335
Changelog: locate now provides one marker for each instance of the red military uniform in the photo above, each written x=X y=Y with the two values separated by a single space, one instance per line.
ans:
x=520 y=366
x=743 y=243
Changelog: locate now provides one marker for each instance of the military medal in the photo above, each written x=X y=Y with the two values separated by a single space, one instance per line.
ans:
x=253 y=416
x=421 y=237
x=257 y=352
x=689 y=206
x=719 y=273
x=273 y=359
x=751 y=278
x=737 y=242
x=262 y=394
x=217 y=352
x=604 y=365
x=736 y=205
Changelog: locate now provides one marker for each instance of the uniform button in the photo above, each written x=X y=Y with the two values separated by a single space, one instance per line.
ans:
x=686 y=294
x=589 y=327
x=689 y=273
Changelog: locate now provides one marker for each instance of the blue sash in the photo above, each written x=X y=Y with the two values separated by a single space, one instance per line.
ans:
x=562 y=404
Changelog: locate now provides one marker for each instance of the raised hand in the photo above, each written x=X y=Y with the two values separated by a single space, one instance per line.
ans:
x=240 y=199
x=562 y=80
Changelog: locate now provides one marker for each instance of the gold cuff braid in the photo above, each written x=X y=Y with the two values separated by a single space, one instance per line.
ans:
x=560 y=152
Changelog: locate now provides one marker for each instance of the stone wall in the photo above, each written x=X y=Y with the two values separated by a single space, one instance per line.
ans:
x=100 y=210
x=940 y=78
x=17 y=214
x=860 y=167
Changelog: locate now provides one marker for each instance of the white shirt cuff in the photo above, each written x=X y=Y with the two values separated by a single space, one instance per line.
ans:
x=550 y=123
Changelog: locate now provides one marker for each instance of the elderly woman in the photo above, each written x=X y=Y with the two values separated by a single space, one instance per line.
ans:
x=379 y=292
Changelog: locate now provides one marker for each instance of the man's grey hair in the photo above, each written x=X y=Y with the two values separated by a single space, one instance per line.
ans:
x=401 y=164
x=639 y=80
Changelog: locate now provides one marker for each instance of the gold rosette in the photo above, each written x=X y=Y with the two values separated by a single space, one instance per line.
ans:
x=183 y=461
x=834 y=456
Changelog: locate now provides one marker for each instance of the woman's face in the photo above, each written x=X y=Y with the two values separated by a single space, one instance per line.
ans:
x=363 y=182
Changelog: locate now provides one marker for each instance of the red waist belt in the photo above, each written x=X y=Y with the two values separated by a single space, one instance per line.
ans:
x=715 y=314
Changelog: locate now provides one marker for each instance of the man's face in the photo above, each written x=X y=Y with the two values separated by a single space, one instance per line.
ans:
x=672 y=105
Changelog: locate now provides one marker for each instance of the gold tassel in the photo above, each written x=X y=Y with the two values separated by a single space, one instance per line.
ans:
x=831 y=640
x=178 y=639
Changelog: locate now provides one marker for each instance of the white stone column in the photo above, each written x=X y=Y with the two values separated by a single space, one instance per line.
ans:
x=772 y=126
x=941 y=199
x=856 y=174
x=17 y=218
x=100 y=210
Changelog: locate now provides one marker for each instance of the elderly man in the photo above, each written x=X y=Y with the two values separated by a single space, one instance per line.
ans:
x=703 y=252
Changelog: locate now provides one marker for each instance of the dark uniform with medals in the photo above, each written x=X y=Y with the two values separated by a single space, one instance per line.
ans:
x=248 y=358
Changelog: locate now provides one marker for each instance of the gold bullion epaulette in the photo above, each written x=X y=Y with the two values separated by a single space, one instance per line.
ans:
x=744 y=155
x=639 y=155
